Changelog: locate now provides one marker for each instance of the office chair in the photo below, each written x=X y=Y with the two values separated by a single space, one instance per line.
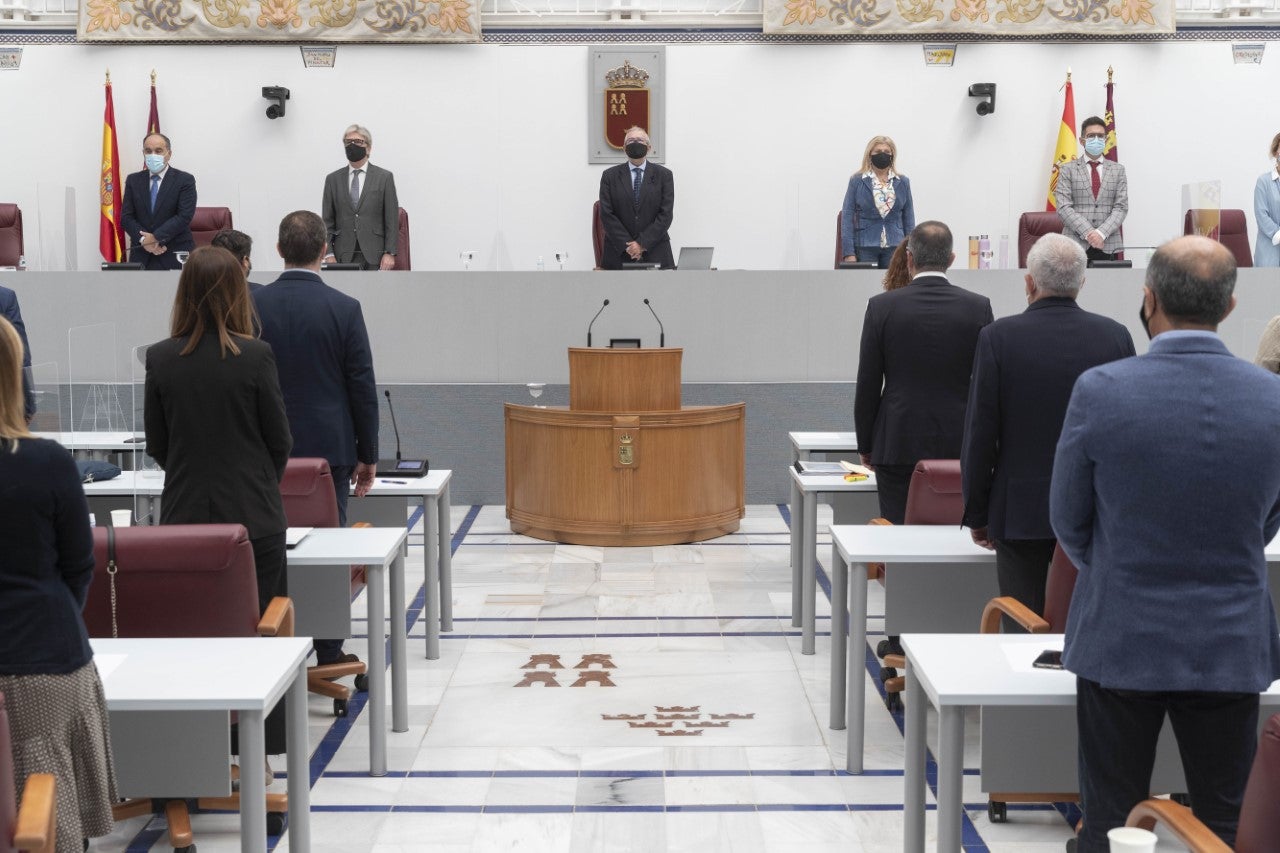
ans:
x=402 y=248
x=11 y=249
x=1031 y=227
x=1227 y=226
x=597 y=235
x=183 y=580
x=207 y=222
x=34 y=826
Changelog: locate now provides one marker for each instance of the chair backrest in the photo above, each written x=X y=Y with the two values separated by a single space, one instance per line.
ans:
x=1033 y=225
x=403 y=261
x=8 y=794
x=597 y=234
x=309 y=498
x=11 y=246
x=839 y=237
x=179 y=580
x=1227 y=226
x=1058 y=588
x=1259 y=816
x=207 y=222
x=934 y=496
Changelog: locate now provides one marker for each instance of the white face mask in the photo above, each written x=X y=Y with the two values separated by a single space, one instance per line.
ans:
x=155 y=163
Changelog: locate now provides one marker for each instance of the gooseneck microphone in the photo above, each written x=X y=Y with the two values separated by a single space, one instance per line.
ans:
x=387 y=393
x=662 y=333
x=603 y=306
x=400 y=467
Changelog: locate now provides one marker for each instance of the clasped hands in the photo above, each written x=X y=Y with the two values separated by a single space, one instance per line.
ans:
x=635 y=250
x=149 y=243
x=1095 y=239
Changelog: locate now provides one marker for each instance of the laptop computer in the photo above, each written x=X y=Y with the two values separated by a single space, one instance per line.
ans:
x=695 y=258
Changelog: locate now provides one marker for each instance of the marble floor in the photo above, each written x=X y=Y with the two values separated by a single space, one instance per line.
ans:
x=615 y=699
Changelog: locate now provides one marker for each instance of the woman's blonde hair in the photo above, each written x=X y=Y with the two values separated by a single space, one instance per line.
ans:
x=212 y=298
x=1275 y=145
x=866 y=154
x=13 y=416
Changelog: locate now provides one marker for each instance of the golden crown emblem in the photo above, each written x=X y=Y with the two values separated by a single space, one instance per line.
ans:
x=627 y=76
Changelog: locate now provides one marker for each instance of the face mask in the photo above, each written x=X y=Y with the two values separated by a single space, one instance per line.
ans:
x=1144 y=319
x=882 y=160
x=636 y=150
x=155 y=162
x=1093 y=147
x=356 y=151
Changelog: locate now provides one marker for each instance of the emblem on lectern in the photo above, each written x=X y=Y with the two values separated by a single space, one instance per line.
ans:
x=626 y=449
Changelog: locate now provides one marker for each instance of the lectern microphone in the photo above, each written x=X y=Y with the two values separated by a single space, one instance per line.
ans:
x=603 y=306
x=400 y=467
x=662 y=333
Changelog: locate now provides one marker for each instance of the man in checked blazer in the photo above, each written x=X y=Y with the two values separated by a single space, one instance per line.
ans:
x=360 y=208
x=1093 y=219
x=635 y=229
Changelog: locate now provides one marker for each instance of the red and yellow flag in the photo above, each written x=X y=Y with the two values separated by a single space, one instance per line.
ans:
x=110 y=229
x=1110 y=152
x=1065 y=150
x=153 y=120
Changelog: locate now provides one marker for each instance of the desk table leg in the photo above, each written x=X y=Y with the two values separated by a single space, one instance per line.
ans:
x=399 y=643
x=857 y=675
x=809 y=585
x=431 y=588
x=377 y=703
x=839 y=644
x=446 y=561
x=253 y=788
x=797 y=556
x=950 y=777
x=299 y=771
x=914 y=766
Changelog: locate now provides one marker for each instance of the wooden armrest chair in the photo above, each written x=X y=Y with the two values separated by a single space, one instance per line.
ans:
x=183 y=580
x=1259 y=830
x=33 y=826
x=309 y=501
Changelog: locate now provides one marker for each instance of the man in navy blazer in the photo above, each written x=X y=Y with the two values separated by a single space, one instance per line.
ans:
x=159 y=203
x=637 y=204
x=1023 y=373
x=1166 y=489
x=11 y=312
x=325 y=365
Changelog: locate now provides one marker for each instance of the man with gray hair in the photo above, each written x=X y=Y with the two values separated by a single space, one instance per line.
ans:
x=1023 y=371
x=1166 y=490
x=360 y=209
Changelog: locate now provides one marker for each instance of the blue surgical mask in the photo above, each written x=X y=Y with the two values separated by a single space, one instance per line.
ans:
x=1093 y=147
x=155 y=163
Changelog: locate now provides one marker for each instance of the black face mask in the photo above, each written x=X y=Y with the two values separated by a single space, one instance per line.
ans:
x=882 y=160
x=1144 y=319
x=636 y=150
x=356 y=151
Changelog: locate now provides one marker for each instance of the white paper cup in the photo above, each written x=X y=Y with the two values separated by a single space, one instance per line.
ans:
x=1130 y=839
x=121 y=517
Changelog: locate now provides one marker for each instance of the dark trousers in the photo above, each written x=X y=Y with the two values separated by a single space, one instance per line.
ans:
x=1217 y=736
x=328 y=651
x=358 y=258
x=1022 y=569
x=880 y=256
x=892 y=482
x=1098 y=255
x=269 y=560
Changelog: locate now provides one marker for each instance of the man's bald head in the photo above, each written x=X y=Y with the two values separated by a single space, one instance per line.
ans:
x=1193 y=279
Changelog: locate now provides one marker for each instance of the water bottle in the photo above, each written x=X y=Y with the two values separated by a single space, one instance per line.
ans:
x=984 y=252
x=541 y=264
x=973 y=252
x=1004 y=251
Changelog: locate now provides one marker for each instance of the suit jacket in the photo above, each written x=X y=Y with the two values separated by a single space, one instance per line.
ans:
x=913 y=370
x=1081 y=212
x=647 y=225
x=373 y=227
x=9 y=308
x=326 y=367
x=1023 y=373
x=170 y=222
x=1266 y=212
x=218 y=428
x=1166 y=489
x=860 y=219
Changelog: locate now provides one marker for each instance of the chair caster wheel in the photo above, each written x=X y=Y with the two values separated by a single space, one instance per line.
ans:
x=362 y=683
x=275 y=823
x=893 y=701
x=190 y=848
x=887 y=672
x=997 y=812
x=339 y=707
x=882 y=648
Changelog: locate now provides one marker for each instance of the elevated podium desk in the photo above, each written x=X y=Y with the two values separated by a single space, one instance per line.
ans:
x=625 y=464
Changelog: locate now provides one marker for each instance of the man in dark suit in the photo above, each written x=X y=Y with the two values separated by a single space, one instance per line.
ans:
x=1092 y=195
x=913 y=368
x=11 y=312
x=159 y=203
x=325 y=365
x=360 y=208
x=1166 y=489
x=1023 y=373
x=637 y=203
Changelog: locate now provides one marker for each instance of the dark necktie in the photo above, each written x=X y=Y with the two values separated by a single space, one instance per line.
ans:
x=155 y=191
x=637 y=175
x=1097 y=181
x=355 y=188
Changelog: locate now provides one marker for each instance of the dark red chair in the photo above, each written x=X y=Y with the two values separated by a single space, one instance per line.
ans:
x=32 y=827
x=402 y=247
x=1033 y=225
x=597 y=235
x=11 y=246
x=1227 y=226
x=207 y=222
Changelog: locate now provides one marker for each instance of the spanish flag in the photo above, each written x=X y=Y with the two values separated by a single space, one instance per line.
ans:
x=1065 y=150
x=110 y=229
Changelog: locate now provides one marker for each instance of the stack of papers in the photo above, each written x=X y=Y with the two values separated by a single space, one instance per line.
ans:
x=295 y=535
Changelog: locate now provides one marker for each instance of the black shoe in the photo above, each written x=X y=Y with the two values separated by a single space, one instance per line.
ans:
x=1071 y=844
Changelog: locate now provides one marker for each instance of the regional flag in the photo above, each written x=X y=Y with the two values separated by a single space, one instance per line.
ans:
x=1109 y=117
x=153 y=120
x=1065 y=150
x=110 y=229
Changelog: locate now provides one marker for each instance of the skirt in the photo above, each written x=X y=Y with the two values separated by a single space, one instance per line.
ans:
x=59 y=725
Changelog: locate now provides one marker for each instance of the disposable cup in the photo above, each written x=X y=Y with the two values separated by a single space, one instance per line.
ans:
x=121 y=517
x=1130 y=839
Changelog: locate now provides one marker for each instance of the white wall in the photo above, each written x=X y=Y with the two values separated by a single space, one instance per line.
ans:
x=488 y=142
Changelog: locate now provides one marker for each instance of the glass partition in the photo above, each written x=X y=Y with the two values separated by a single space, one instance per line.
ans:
x=56 y=215
x=46 y=382
x=148 y=479
x=1202 y=209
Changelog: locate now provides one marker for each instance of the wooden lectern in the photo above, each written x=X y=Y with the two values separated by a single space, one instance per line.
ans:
x=625 y=464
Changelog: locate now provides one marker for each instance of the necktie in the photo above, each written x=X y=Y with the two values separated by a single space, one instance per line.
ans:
x=355 y=188
x=155 y=191
x=637 y=175
x=1097 y=181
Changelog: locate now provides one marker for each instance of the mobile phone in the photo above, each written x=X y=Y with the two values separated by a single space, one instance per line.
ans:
x=1049 y=659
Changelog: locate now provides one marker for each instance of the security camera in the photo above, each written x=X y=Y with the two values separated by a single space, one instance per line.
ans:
x=986 y=91
x=278 y=94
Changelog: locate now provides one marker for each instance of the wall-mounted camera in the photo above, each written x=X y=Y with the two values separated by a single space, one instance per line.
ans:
x=278 y=95
x=986 y=91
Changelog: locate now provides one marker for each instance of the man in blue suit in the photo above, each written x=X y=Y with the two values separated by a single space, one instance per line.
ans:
x=322 y=354
x=1166 y=489
x=1023 y=373
x=159 y=203
x=11 y=312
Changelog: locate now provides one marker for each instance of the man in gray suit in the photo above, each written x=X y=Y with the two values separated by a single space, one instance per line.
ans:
x=360 y=208
x=1092 y=195
x=1166 y=489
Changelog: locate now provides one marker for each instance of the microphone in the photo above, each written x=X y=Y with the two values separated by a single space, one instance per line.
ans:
x=387 y=393
x=400 y=467
x=603 y=306
x=662 y=333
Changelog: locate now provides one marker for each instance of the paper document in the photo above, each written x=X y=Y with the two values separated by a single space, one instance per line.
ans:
x=294 y=535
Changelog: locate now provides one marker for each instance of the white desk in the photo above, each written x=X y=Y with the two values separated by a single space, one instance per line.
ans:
x=805 y=444
x=921 y=561
x=247 y=675
x=381 y=550
x=93 y=444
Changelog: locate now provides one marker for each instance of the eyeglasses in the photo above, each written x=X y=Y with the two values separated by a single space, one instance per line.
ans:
x=632 y=139
x=1095 y=136
x=359 y=142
